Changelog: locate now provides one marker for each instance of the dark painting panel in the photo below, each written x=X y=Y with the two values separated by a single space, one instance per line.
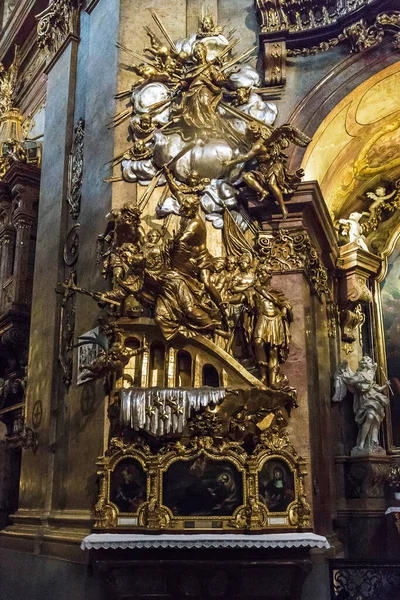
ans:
x=128 y=485
x=202 y=487
x=276 y=485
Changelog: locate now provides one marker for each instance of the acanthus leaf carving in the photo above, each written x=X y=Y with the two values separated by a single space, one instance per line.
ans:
x=289 y=252
x=75 y=170
x=59 y=20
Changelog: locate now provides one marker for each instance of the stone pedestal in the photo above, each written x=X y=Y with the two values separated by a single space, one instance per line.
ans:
x=361 y=503
x=357 y=269
x=393 y=530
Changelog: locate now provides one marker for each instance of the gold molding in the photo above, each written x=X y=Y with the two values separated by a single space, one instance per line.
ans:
x=251 y=514
x=360 y=35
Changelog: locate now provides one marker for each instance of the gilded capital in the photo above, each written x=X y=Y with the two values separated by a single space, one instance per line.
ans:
x=56 y=23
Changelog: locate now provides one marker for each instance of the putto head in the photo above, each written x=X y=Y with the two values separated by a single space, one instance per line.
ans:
x=153 y=236
x=200 y=52
x=189 y=205
x=264 y=273
x=244 y=261
x=231 y=263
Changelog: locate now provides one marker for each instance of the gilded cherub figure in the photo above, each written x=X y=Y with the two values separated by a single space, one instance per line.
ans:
x=144 y=127
x=167 y=59
x=195 y=185
x=369 y=401
x=207 y=27
x=113 y=360
x=139 y=151
x=272 y=178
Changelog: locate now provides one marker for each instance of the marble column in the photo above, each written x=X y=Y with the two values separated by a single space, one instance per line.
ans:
x=85 y=424
x=37 y=469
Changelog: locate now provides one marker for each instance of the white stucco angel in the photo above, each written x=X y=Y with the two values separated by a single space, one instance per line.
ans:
x=378 y=197
x=369 y=401
x=352 y=229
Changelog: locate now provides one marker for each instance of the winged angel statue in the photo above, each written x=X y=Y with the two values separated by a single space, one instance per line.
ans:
x=199 y=111
x=369 y=401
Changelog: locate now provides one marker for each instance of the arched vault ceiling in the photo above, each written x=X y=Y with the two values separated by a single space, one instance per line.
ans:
x=357 y=146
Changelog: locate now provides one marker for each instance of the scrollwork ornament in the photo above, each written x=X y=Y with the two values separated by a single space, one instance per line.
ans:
x=284 y=252
x=75 y=171
x=67 y=328
x=56 y=23
x=71 y=246
x=369 y=580
x=105 y=514
x=359 y=35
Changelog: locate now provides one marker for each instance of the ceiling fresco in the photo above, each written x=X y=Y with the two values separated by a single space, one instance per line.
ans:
x=356 y=146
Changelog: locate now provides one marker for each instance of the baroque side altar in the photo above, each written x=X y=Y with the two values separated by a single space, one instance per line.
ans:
x=194 y=334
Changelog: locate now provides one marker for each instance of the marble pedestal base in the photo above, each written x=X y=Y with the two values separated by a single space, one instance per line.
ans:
x=200 y=567
x=362 y=504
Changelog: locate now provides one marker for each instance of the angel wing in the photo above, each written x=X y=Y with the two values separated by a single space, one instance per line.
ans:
x=379 y=199
x=290 y=133
x=339 y=381
x=372 y=196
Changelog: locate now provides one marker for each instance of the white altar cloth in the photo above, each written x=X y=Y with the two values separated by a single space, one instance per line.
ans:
x=123 y=541
x=392 y=509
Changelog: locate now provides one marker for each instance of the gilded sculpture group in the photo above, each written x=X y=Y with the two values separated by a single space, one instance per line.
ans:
x=190 y=292
x=201 y=130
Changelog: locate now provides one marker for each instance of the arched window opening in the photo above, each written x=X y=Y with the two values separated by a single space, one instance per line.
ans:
x=210 y=376
x=157 y=362
x=183 y=369
x=133 y=368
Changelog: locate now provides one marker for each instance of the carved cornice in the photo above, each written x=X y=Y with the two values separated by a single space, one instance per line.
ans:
x=360 y=35
x=303 y=15
x=286 y=252
x=57 y=24
x=308 y=27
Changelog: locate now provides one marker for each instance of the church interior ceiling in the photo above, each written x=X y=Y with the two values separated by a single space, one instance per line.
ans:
x=355 y=149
